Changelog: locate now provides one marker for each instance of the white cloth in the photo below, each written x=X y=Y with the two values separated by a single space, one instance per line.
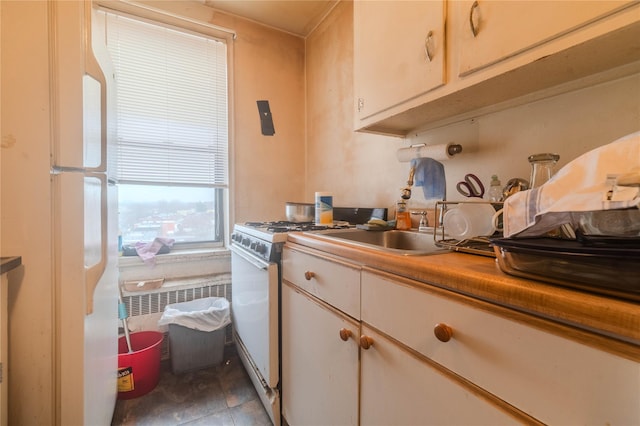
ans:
x=580 y=186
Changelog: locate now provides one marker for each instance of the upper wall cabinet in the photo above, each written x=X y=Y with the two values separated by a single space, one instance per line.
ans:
x=400 y=49
x=498 y=30
x=498 y=54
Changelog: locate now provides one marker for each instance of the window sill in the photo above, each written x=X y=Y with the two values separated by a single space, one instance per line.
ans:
x=179 y=255
x=179 y=264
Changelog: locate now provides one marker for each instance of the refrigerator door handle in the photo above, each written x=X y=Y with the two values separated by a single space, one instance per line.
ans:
x=94 y=272
x=94 y=70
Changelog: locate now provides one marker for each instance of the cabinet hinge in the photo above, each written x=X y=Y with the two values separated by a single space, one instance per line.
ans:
x=360 y=104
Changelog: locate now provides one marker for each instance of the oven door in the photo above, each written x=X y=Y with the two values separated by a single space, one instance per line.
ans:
x=254 y=301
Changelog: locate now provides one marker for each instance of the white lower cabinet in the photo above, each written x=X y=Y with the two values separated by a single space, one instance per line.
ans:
x=414 y=354
x=398 y=388
x=319 y=368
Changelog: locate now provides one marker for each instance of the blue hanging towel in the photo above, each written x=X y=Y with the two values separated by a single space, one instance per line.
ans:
x=429 y=174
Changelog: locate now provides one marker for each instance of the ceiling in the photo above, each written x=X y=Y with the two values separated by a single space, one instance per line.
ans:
x=298 y=17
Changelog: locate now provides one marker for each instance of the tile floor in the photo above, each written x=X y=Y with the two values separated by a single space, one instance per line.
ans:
x=220 y=395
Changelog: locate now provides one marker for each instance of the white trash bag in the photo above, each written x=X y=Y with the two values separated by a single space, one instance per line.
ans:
x=207 y=314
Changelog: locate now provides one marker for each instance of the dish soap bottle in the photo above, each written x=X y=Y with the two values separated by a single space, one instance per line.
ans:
x=403 y=216
x=495 y=191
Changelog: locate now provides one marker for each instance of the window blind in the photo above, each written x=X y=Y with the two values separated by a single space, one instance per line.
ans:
x=172 y=112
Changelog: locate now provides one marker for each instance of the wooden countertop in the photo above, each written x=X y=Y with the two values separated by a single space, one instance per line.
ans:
x=480 y=277
x=8 y=263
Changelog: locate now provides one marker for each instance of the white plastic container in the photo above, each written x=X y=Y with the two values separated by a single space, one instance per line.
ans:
x=470 y=220
x=324 y=208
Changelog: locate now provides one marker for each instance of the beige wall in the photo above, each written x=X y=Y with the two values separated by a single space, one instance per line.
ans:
x=362 y=169
x=266 y=171
x=25 y=228
x=359 y=169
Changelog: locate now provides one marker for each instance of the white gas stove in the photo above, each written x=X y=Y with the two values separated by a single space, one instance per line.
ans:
x=256 y=258
x=256 y=254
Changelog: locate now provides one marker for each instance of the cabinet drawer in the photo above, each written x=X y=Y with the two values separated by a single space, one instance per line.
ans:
x=523 y=365
x=338 y=284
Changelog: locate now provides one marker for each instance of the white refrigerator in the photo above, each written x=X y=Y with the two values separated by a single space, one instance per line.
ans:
x=65 y=371
x=85 y=215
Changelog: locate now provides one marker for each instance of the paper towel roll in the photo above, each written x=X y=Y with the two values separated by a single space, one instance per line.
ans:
x=437 y=152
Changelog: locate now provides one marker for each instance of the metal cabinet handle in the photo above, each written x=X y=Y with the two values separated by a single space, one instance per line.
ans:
x=443 y=332
x=345 y=333
x=428 y=46
x=474 y=18
x=366 y=342
x=308 y=275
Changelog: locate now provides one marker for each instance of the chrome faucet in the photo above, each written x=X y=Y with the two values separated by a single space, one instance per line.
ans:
x=424 y=222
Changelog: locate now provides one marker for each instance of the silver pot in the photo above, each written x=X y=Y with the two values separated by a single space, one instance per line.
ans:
x=300 y=212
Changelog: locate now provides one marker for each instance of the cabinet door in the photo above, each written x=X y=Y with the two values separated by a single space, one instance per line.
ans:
x=397 y=388
x=391 y=63
x=492 y=31
x=525 y=366
x=319 y=369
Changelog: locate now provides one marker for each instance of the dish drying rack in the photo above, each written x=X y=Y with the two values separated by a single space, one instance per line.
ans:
x=476 y=245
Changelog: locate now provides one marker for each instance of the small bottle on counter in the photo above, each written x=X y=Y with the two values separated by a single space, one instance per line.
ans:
x=324 y=209
x=403 y=216
x=495 y=190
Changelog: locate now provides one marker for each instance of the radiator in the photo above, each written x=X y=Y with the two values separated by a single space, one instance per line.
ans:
x=155 y=302
x=151 y=303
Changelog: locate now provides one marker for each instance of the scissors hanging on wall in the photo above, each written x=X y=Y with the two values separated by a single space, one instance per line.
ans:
x=471 y=186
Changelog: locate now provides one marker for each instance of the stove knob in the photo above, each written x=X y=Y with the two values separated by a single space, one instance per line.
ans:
x=261 y=248
x=246 y=242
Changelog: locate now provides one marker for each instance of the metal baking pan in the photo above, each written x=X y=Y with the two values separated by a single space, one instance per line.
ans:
x=610 y=270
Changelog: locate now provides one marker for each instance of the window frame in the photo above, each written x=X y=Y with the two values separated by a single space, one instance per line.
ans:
x=187 y=24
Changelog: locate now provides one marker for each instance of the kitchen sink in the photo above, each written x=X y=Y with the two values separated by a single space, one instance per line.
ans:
x=408 y=243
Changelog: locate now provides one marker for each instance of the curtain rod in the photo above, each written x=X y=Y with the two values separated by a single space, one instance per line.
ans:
x=138 y=9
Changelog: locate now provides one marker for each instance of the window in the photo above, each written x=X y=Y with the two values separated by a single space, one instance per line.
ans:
x=172 y=125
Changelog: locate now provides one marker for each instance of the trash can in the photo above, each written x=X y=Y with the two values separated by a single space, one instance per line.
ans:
x=196 y=332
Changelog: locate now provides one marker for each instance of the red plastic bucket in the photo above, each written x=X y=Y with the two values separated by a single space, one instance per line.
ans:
x=139 y=370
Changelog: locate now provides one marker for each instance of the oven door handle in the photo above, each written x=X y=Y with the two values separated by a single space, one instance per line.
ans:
x=258 y=263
